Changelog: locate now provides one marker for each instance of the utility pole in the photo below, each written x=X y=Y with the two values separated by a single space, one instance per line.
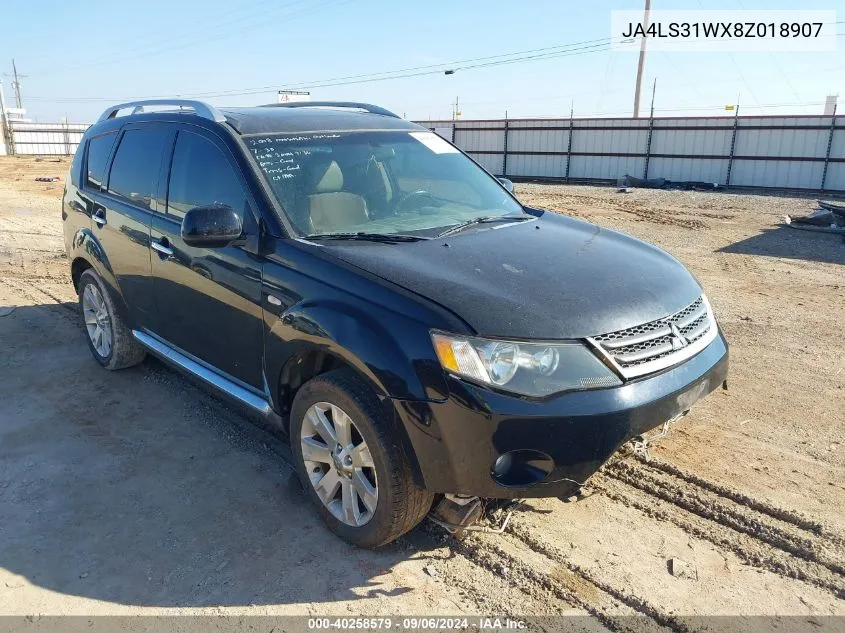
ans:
x=16 y=84
x=653 y=92
x=641 y=63
x=456 y=112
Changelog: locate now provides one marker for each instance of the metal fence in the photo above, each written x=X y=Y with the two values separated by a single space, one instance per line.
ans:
x=786 y=152
x=25 y=138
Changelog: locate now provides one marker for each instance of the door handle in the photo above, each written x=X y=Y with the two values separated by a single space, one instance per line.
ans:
x=162 y=248
x=99 y=216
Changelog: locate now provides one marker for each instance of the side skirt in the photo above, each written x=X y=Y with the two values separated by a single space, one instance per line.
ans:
x=222 y=384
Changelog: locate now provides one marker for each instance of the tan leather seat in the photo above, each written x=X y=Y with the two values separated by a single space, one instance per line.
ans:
x=331 y=208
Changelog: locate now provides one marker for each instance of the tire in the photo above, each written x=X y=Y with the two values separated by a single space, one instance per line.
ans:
x=122 y=350
x=401 y=505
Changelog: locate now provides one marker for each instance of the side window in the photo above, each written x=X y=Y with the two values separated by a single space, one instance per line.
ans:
x=76 y=165
x=98 y=153
x=202 y=175
x=136 y=164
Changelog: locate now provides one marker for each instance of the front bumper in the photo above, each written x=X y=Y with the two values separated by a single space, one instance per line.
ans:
x=458 y=441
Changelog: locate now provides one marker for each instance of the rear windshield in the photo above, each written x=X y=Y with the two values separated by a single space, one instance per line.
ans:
x=376 y=182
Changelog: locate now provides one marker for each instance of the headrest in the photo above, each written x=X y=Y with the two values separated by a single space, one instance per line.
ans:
x=331 y=180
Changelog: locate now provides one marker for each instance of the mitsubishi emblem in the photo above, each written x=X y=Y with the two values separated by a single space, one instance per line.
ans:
x=679 y=341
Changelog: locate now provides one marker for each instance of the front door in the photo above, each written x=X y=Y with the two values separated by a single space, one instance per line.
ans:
x=208 y=299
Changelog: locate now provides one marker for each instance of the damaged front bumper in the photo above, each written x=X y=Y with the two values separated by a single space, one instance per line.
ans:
x=490 y=444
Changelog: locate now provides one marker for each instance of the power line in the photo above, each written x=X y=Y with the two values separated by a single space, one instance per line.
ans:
x=436 y=68
x=589 y=46
x=538 y=54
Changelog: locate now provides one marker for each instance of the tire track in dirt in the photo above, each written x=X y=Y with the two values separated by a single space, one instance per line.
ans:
x=534 y=598
x=668 y=218
x=535 y=572
x=735 y=515
x=637 y=604
x=29 y=233
x=725 y=527
x=26 y=290
x=781 y=514
x=639 y=211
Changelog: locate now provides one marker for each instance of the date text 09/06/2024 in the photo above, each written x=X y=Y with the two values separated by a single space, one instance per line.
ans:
x=419 y=623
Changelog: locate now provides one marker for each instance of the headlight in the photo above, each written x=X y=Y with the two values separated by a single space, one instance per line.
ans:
x=531 y=369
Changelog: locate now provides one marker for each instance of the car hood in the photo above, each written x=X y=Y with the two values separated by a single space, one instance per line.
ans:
x=550 y=278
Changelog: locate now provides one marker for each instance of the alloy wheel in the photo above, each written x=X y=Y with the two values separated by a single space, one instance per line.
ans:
x=339 y=464
x=97 y=320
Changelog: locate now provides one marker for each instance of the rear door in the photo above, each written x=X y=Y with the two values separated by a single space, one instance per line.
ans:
x=122 y=203
x=208 y=299
x=85 y=182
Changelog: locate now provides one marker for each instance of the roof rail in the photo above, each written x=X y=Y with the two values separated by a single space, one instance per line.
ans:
x=200 y=108
x=334 y=104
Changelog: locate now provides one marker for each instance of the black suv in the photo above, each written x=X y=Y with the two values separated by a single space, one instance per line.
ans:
x=354 y=277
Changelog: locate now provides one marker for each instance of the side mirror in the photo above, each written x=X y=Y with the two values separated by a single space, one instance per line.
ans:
x=213 y=226
x=507 y=184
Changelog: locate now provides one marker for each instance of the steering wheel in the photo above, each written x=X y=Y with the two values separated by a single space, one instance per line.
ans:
x=412 y=199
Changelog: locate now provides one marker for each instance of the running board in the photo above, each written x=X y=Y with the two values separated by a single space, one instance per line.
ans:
x=208 y=376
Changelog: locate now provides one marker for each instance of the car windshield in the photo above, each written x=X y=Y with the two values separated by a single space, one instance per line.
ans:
x=385 y=183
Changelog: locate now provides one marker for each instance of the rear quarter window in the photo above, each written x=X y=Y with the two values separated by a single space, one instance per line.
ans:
x=76 y=164
x=99 y=148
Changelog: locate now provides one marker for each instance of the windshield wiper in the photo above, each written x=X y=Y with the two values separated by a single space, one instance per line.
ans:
x=483 y=219
x=367 y=237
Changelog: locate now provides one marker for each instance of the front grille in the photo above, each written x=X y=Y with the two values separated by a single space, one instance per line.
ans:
x=656 y=345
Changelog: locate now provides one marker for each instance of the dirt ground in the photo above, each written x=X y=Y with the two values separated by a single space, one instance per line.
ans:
x=137 y=492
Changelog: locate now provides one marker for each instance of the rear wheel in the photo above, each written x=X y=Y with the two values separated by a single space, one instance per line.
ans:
x=110 y=340
x=351 y=463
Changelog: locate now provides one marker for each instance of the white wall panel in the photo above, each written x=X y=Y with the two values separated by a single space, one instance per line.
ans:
x=537 y=140
x=837 y=147
x=490 y=162
x=835 y=177
x=46 y=138
x=529 y=166
x=786 y=120
x=609 y=141
x=517 y=123
x=695 y=169
x=777 y=173
x=691 y=142
x=480 y=140
x=445 y=132
x=750 y=142
x=605 y=167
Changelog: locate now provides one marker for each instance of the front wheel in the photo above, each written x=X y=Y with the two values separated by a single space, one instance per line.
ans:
x=351 y=462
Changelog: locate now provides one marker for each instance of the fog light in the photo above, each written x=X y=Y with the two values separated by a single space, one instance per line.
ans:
x=503 y=465
x=521 y=468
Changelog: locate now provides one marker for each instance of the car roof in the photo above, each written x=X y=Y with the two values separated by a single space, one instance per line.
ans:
x=302 y=117
x=283 y=120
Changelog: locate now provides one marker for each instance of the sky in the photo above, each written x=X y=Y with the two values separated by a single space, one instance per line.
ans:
x=81 y=56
